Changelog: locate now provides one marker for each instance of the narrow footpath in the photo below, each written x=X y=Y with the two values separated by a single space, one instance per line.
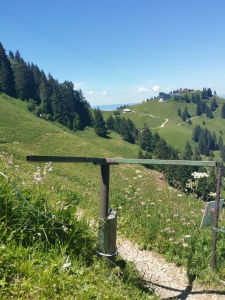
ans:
x=165 y=279
x=168 y=281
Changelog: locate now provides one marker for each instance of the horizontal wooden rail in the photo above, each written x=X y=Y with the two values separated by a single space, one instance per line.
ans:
x=107 y=232
x=95 y=160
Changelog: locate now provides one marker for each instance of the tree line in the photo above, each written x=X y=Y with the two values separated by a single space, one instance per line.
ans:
x=45 y=95
x=60 y=102
x=207 y=141
x=152 y=145
x=201 y=105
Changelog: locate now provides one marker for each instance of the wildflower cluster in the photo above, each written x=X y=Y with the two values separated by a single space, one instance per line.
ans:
x=38 y=177
x=199 y=175
x=202 y=185
x=8 y=161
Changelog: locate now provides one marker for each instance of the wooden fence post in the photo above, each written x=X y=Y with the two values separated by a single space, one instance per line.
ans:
x=107 y=220
x=216 y=216
x=112 y=226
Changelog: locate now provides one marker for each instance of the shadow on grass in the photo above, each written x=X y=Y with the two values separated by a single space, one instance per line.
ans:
x=183 y=294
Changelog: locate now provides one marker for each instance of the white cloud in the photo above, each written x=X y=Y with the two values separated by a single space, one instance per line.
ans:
x=104 y=93
x=143 y=90
x=156 y=88
x=90 y=93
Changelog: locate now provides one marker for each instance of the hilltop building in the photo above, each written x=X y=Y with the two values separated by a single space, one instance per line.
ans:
x=164 y=96
x=186 y=90
x=126 y=111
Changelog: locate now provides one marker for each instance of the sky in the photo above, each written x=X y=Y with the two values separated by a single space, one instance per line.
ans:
x=120 y=51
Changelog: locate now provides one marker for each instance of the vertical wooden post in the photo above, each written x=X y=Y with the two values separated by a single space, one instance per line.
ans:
x=216 y=216
x=103 y=216
x=107 y=220
x=112 y=226
x=104 y=191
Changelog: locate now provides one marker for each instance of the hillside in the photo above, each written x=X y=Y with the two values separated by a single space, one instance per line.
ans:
x=24 y=134
x=70 y=188
x=145 y=203
x=163 y=118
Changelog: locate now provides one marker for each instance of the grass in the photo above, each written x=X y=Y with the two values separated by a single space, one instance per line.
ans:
x=168 y=110
x=133 y=190
x=43 y=259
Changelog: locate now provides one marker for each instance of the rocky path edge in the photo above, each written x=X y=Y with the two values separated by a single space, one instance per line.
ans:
x=165 y=279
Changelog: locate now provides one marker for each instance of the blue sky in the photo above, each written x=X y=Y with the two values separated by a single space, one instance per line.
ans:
x=120 y=51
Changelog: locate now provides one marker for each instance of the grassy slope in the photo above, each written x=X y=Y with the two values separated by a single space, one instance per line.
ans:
x=23 y=134
x=175 y=134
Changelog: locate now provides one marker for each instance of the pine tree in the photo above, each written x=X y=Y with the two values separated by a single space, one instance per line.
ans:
x=197 y=98
x=214 y=142
x=6 y=74
x=222 y=153
x=99 y=123
x=35 y=75
x=183 y=117
x=210 y=115
x=204 y=93
x=189 y=122
x=117 y=124
x=220 y=143
x=68 y=100
x=110 y=123
x=82 y=107
x=11 y=55
x=125 y=132
x=203 y=107
x=196 y=155
x=186 y=113
x=45 y=95
x=209 y=93
x=198 y=109
x=146 y=139
x=179 y=112
x=201 y=145
x=140 y=154
x=187 y=100
x=18 y=57
x=76 y=123
x=187 y=154
x=223 y=111
x=58 y=110
x=21 y=74
x=196 y=133
x=214 y=104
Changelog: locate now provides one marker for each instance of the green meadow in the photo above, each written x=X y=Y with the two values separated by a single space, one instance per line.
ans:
x=175 y=131
x=41 y=259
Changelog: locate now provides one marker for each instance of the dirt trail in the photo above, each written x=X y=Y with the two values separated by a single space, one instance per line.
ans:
x=166 y=279
x=164 y=123
x=166 y=120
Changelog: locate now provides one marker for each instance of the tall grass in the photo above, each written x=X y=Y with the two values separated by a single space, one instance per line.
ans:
x=133 y=190
x=45 y=252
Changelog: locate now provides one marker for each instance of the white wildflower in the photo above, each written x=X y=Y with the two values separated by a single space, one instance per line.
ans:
x=199 y=175
x=64 y=228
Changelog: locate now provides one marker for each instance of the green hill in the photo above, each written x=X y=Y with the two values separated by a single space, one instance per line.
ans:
x=175 y=131
x=145 y=204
